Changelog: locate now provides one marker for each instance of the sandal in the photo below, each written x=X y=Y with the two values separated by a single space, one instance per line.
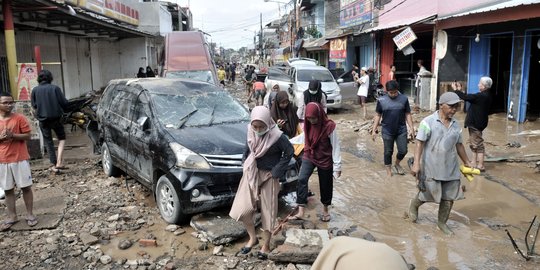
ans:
x=325 y=218
x=31 y=222
x=262 y=256
x=7 y=224
x=245 y=250
x=295 y=217
x=399 y=170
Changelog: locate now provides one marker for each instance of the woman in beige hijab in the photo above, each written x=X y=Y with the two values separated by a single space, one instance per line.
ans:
x=265 y=161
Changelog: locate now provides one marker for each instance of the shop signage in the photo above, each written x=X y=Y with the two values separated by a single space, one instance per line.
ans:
x=115 y=9
x=26 y=80
x=404 y=38
x=354 y=12
x=338 y=49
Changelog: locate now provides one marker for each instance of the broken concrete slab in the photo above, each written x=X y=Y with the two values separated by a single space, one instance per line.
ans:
x=219 y=228
x=49 y=208
x=301 y=246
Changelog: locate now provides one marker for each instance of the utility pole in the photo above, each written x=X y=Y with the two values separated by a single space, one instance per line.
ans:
x=261 y=42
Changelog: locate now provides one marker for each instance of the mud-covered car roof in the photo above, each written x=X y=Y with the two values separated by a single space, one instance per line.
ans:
x=169 y=86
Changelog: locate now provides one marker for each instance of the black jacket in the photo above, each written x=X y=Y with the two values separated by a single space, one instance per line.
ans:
x=48 y=101
x=276 y=158
x=477 y=115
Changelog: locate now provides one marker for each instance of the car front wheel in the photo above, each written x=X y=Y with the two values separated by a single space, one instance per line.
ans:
x=106 y=161
x=168 y=201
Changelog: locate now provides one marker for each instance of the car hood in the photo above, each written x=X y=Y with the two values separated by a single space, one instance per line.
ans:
x=224 y=139
x=325 y=86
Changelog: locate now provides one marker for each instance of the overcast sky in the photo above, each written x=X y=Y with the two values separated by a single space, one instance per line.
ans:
x=231 y=23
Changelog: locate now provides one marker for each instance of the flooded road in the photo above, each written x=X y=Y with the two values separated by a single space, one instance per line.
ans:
x=505 y=198
x=365 y=200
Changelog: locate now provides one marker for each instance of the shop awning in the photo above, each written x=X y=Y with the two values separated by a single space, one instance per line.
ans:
x=507 y=4
x=57 y=17
x=316 y=44
x=404 y=22
x=502 y=12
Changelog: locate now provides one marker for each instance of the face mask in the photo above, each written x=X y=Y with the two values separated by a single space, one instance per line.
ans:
x=260 y=133
x=313 y=92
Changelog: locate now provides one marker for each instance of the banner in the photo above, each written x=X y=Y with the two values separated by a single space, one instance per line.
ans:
x=26 y=81
x=115 y=9
x=338 y=49
x=354 y=12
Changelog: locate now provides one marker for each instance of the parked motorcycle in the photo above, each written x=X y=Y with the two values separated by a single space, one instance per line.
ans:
x=79 y=112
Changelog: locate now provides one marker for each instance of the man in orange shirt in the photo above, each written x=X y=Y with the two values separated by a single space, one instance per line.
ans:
x=14 y=165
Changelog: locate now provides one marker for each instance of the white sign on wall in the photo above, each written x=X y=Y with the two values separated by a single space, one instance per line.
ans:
x=404 y=38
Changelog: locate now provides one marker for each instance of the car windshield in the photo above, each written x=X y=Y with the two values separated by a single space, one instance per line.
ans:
x=198 y=75
x=306 y=75
x=278 y=75
x=209 y=108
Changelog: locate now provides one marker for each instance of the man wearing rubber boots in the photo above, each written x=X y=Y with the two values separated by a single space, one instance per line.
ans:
x=439 y=143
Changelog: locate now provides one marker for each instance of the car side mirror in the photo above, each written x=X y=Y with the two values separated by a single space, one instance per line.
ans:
x=144 y=123
x=340 y=80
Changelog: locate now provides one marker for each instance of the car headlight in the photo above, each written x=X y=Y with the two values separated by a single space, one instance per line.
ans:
x=186 y=158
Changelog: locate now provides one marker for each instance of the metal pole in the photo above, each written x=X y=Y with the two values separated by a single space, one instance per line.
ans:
x=9 y=32
x=37 y=57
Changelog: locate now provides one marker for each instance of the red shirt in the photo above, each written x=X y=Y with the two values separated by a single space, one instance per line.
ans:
x=12 y=151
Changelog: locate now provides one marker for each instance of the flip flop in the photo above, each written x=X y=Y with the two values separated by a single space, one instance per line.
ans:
x=62 y=167
x=245 y=250
x=325 y=218
x=295 y=217
x=399 y=170
x=32 y=222
x=6 y=225
x=262 y=255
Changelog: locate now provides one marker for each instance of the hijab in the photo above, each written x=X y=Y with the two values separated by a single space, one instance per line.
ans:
x=314 y=133
x=289 y=114
x=150 y=72
x=141 y=73
x=259 y=145
x=314 y=85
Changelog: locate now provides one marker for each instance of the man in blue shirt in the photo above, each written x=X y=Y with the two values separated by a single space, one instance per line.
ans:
x=395 y=112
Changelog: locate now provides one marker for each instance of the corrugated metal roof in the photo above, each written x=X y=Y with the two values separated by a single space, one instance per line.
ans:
x=507 y=4
x=316 y=43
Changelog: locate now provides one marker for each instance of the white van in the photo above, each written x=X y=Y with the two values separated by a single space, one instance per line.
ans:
x=302 y=74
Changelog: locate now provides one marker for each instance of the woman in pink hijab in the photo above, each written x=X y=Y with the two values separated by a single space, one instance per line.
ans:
x=265 y=161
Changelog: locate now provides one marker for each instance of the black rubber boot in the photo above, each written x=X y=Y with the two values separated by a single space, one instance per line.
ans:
x=445 y=207
x=413 y=208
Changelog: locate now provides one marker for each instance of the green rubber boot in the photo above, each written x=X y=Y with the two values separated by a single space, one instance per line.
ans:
x=413 y=208
x=445 y=207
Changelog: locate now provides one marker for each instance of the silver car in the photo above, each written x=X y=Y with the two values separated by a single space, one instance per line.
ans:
x=302 y=74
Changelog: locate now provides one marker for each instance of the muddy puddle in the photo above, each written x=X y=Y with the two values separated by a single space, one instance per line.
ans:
x=366 y=197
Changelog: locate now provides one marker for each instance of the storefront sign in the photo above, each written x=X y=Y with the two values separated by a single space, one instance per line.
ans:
x=26 y=80
x=354 y=12
x=115 y=9
x=404 y=38
x=338 y=49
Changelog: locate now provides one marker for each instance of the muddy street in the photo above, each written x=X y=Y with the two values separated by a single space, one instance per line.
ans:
x=90 y=221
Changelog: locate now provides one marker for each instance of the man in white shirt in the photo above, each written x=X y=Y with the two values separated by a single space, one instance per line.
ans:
x=363 y=82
